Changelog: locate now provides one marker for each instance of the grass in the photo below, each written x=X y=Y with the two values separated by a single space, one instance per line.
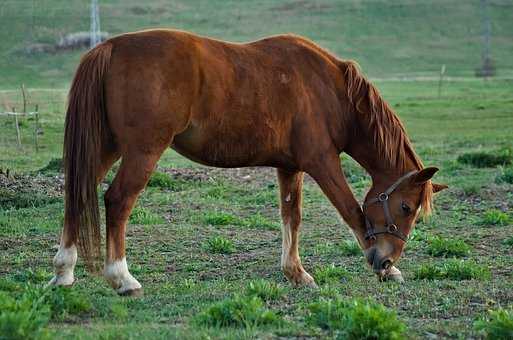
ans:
x=182 y=279
x=497 y=325
x=508 y=241
x=247 y=312
x=329 y=274
x=356 y=319
x=495 y=217
x=453 y=269
x=487 y=159
x=144 y=216
x=220 y=245
x=440 y=246
x=506 y=175
x=265 y=290
x=350 y=248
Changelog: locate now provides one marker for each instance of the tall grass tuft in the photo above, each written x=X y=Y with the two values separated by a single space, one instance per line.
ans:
x=452 y=269
x=487 y=159
x=497 y=325
x=356 y=319
x=265 y=290
x=495 y=217
x=247 y=312
x=439 y=246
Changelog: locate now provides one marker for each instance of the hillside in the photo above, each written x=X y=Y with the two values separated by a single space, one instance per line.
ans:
x=388 y=38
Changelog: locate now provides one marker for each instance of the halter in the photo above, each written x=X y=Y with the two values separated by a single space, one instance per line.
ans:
x=390 y=227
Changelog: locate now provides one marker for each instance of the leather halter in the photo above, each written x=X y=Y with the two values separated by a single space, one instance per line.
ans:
x=390 y=227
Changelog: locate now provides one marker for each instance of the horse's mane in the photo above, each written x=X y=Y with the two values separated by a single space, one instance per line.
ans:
x=388 y=132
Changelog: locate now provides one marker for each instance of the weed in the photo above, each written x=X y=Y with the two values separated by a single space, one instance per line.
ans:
x=487 y=160
x=328 y=274
x=439 y=246
x=141 y=215
x=495 y=217
x=453 y=270
x=265 y=290
x=20 y=200
x=219 y=218
x=248 y=312
x=356 y=319
x=498 y=325
x=164 y=181
x=471 y=189
x=55 y=165
x=119 y=310
x=260 y=222
x=220 y=245
x=508 y=241
x=350 y=248
x=506 y=175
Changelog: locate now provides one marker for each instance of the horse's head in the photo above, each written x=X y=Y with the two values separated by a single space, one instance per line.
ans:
x=391 y=209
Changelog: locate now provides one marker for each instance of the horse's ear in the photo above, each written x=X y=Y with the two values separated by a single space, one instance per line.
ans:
x=439 y=187
x=424 y=175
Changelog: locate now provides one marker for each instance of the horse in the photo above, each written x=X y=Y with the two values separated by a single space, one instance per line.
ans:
x=281 y=102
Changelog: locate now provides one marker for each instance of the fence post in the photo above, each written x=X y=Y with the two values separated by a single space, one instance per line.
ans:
x=18 y=137
x=24 y=98
x=36 y=127
x=442 y=72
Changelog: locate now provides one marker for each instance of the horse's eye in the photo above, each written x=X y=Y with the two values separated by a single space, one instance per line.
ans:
x=406 y=208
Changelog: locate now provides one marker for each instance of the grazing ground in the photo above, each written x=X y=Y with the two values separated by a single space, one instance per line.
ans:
x=200 y=235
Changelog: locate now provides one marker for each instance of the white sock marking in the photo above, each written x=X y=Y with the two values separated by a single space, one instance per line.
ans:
x=118 y=276
x=64 y=264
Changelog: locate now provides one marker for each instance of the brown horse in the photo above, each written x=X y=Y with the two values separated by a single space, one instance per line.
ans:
x=281 y=101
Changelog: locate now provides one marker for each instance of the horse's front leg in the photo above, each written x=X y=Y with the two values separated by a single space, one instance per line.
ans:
x=290 y=204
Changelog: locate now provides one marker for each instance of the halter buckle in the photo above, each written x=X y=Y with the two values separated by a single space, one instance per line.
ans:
x=392 y=228
x=382 y=197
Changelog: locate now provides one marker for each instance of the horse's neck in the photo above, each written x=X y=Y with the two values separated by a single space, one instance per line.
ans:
x=367 y=155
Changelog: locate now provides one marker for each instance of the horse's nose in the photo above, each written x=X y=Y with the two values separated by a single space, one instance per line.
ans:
x=380 y=264
x=386 y=264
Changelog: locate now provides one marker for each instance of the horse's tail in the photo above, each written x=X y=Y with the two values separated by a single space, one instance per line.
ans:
x=85 y=133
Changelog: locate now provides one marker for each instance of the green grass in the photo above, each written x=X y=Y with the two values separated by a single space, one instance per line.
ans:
x=497 y=325
x=182 y=279
x=144 y=216
x=356 y=319
x=350 y=248
x=265 y=290
x=220 y=245
x=487 y=159
x=505 y=176
x=247 y=312
x=447 y=247
x=329 y=274
x=453 y=269
x=508 y=241
x=495 y=217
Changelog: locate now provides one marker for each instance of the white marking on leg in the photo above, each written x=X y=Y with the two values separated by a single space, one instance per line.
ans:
x=285 y=244
x=64 y=264
x=288 y=198
x=118 y=276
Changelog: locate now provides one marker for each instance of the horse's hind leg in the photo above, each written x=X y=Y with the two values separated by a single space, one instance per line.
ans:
x=66 y=257
x=131 y=178
x=291 y=184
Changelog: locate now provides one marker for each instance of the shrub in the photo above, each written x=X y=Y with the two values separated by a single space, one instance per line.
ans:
x=453 y=270
x=350 y=248
x=265 y=290
x=238 y=311
x=495 y=217
x=219 y=218
x=356 y=319
x=327 y=274
x=506 y=176
x=498 y=325
x=144 y=216
x=220 y=245
x=439 y=246
x=487 y=160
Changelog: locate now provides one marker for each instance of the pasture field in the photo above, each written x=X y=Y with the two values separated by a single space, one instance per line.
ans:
x=201 y=235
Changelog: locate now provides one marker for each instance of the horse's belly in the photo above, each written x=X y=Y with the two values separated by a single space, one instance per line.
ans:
x=227 y=150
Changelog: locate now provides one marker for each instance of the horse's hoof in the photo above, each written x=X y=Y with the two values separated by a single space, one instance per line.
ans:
x=59 y=281
x=137 y=292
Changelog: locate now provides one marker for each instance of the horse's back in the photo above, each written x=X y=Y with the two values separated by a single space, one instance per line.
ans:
x=226 y=104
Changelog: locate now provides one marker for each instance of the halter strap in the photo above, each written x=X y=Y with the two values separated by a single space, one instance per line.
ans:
x=390 y=227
